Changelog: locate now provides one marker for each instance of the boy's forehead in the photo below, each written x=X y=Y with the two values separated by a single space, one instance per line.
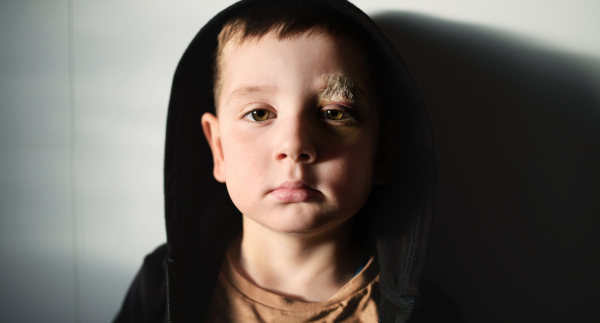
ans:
x=346 y=82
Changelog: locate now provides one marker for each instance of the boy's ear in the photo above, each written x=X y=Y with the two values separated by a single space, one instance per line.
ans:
x=210 y=126
x=382 y=173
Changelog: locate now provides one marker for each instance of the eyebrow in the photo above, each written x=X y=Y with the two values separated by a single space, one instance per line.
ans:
x=339 y=87
x=248 y=90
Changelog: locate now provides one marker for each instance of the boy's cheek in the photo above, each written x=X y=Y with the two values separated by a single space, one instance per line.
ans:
x=245 y=160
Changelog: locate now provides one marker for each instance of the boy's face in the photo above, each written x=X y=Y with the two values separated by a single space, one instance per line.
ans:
x=297 y=130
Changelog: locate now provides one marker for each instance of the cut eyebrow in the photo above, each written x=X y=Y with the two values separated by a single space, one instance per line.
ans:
x=248 y=90
x=339 y=88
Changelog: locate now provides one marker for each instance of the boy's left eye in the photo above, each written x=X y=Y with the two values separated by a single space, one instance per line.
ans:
x=336 y=114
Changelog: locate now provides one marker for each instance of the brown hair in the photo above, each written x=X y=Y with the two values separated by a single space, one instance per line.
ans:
x=287 y=19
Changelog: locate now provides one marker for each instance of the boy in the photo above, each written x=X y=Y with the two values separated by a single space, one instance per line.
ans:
x=305 y=122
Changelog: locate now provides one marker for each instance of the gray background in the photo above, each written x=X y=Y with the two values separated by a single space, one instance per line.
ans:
x=84 y=88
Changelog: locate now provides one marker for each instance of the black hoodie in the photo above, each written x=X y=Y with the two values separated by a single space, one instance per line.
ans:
x=177 y=280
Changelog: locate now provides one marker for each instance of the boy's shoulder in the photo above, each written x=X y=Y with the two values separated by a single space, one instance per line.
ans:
x=146 y=298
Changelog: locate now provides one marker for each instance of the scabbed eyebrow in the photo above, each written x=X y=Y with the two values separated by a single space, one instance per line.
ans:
x=338 y=88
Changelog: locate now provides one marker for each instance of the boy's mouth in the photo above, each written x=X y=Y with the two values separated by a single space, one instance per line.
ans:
x=295 y=192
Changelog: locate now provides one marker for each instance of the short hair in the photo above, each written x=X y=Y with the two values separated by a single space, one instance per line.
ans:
x=288 y=20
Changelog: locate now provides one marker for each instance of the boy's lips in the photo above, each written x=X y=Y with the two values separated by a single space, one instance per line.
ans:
x=295 y=192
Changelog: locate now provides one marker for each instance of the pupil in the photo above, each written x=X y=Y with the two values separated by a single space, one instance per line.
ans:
x=260 y=113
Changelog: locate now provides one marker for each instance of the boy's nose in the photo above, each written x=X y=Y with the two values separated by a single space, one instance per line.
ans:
x=294 y=142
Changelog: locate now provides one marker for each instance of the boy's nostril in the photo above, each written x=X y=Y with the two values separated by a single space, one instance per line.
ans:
x=300 y=158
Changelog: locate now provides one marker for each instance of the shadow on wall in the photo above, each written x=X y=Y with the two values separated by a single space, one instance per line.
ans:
x=516 y=235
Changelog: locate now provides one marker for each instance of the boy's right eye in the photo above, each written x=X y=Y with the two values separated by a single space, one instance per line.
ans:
x=258 y=115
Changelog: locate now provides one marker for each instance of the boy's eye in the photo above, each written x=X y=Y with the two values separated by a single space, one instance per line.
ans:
x=336 y=114
x=258 y=115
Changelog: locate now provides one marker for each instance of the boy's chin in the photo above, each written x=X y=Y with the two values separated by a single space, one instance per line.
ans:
x=298 y=224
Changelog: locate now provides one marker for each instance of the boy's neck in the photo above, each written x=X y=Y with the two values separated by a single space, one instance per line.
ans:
x=311 y=267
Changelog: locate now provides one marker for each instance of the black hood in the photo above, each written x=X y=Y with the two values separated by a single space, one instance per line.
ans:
x=201 y=218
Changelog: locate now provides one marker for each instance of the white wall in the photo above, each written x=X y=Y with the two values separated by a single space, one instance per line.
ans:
x=84 y=88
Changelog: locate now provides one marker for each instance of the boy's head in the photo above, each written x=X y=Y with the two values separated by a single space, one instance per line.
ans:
x=297 y=132
x=287 y=20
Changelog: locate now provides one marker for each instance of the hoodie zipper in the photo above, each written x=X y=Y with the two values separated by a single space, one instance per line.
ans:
x=409 y=311
x=168 y=292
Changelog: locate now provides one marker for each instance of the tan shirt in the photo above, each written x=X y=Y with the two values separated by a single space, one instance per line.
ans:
x=238 y=300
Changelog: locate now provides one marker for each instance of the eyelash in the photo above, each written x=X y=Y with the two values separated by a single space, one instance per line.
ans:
x=249 y=116
x=347 y=115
